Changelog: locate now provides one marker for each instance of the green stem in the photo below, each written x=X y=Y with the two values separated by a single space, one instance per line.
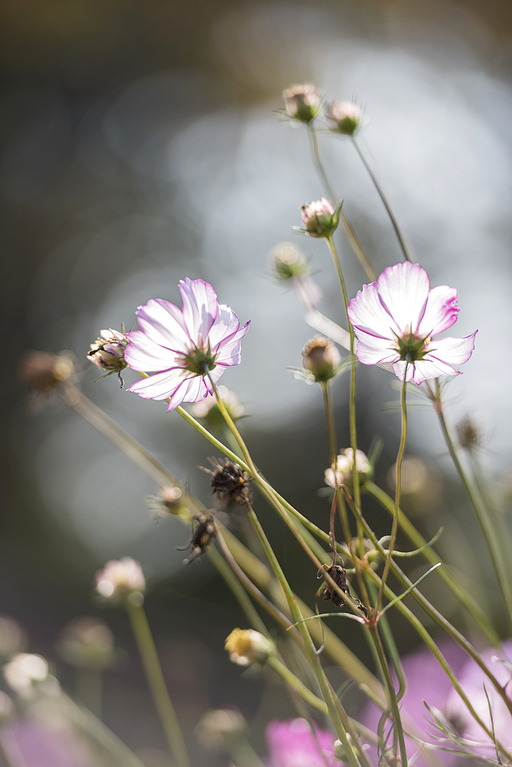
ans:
x=157 y=684
x=331 y=427
x=466 y=599
x=352 y=401
x=382 y=196
x=398 y=488
x=344 y=220
x=492 y=536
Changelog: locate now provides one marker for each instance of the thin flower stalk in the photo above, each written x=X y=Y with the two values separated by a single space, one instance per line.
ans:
x=352 y=395
x=384 y=199
x=431 y=611
x=136 y=452
x=298 y=687
x=464 y=597
x=157 y=683
x=344 y=220
x=487 y=523
x=398 y=488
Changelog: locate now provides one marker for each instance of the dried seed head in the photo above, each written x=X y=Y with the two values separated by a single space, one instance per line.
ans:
x=321 y=357
x=339 y=576
x=202 y=536
x=230 y=482
x=246 y=647
x=43 y=373
x=470 y=433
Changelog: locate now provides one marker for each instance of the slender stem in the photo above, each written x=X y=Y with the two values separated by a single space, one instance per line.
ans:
x=491 y=534
x=157 y=684
x=398 y=489
x=383 y=197
x=344 y=220
x=466 y=599
x=352 y=401
x=393 y=702
x=331 y=426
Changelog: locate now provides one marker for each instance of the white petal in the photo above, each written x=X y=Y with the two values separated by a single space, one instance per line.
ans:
x=228 y=352
x=191 y=390
x=163 y=323
x=371 y=350
x=403 y=290
x=423 y=370
x=453 y=351
x=160 y=385
x=367 y=313
x=144 y=354
x=226 y=323
x=441 y=311
x=200 y=307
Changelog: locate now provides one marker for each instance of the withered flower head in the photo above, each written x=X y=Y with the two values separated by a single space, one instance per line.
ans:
x=321 y=357
x=339 y=576
x=43 y=373
x=202 y=536
x=230 y=482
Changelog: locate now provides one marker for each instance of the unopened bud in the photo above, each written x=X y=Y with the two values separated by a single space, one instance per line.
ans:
x=288 y=261
x=107 y=352
x=320 y=218
x=302 y=102
x=87 y=643
x=342 y=475
x=220 y=728
x=247 y=646
x=321 y=357
x=121 y=579
x=208 y=409
x=344 y=117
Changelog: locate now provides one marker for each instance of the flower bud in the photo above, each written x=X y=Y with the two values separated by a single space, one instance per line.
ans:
x=44 y=373
x=120 y=580
x=321 y=357
x=288 y=261
x=220 y=728
x=23 y=670
x=320 y=218
x=302 y=102
x=107 y=352
x=247 y=646
x=208 y=409
x=87 y=643
x=344 y=467
x=171 y=500
x=344 y=117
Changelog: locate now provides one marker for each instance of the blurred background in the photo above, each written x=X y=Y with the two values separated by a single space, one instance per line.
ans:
x=141 y=145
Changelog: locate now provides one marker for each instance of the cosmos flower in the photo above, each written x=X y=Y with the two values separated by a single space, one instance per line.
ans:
x=396 y=318
x=182 y=347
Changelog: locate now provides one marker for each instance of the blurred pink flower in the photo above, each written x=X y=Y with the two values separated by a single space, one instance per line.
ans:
x=292 y=744
x=183 y=346
x=396 y=318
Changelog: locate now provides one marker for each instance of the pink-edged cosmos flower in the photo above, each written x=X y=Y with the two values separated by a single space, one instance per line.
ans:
x=182 y=347
x=396 y=318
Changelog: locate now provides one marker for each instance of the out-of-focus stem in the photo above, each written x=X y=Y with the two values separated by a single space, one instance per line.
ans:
x=295 y=684
x=398 y=488
x=383 y=197
x=344 y=220
x=156 y=683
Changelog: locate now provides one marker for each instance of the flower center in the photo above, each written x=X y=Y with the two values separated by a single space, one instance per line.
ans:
x=411 y=347
x=200 y=361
